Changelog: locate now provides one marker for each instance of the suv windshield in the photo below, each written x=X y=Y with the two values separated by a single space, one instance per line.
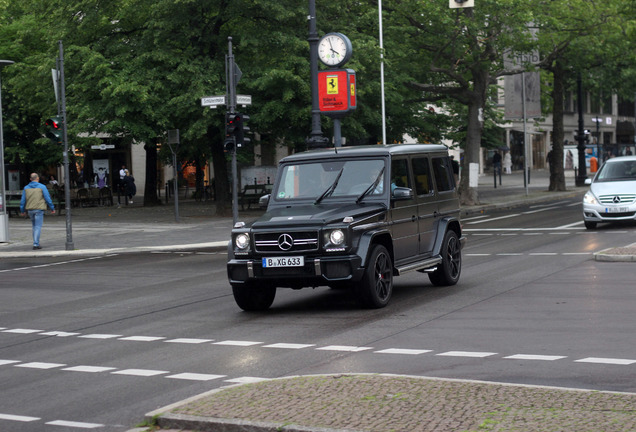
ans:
x=319 y=180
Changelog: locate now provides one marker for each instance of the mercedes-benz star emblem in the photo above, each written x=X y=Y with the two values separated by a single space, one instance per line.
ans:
x=285 y=242
x=616 y=199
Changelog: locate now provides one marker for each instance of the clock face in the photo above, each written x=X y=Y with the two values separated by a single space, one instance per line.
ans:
x=334 y=49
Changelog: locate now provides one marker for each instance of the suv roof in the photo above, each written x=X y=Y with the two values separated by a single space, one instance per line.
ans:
x=369 y=150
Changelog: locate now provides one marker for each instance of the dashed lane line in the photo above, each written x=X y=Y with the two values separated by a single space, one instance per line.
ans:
x=279 y=345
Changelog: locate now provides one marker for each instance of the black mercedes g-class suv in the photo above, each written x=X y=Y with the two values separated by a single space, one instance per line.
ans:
x=351 y=217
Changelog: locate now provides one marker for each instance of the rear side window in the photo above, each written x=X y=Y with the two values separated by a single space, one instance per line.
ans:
x=443 y=174
x=422 y=173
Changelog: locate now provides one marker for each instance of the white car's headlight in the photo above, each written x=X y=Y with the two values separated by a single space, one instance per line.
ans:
x=242 y=241
x=336 y=237
x=589 y=198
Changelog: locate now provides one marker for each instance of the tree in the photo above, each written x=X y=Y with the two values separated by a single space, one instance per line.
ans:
x=457 y=55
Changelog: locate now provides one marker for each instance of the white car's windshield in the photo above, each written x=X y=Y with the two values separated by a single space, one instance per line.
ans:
x=624 y=170
x=329 y=179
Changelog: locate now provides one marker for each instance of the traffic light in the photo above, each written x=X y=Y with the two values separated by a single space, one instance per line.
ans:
x=55 y=132
x=241 y=129
x=230 y=131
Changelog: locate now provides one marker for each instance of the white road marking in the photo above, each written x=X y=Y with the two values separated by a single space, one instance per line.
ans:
x=195 y=376
x=139 y=372
x=343 y=348
x=59 y=334
x=22 y=331
x=141 y=338
x=188 y=341
x=246 y=380
x=467 y=354
x=494 y=219
x=534 y=357
x=100 y=336
x=402 y=351
x=40 y=365
x=288 y=346
x=237 y=343
x=90 y=369
x=600 y=360
x=74 y=424
x=6 y=362
x=18 y=418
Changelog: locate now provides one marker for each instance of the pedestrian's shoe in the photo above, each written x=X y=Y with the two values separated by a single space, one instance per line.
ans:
x=131 y=202
x=37 y=247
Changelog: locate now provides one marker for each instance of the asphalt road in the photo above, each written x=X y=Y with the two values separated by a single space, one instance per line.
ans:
x=95 y=343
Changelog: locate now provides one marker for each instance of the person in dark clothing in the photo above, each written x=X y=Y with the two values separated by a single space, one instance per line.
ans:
x=129 y=187
x=496 y=161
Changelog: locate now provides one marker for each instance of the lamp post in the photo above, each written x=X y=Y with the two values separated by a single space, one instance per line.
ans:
x=4 y=219
x=580 y=136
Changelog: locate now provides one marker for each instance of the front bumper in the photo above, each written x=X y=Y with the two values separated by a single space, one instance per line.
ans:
x=600 y=213
x=317 y=271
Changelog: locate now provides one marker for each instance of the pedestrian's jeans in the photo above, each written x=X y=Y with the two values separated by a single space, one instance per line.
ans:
x=37 y=218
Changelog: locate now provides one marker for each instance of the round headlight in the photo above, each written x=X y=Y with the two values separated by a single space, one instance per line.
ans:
x=242 y=241
x=337 y=237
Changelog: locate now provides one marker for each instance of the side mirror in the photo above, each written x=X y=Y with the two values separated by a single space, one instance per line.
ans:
x=588 y=181
x=402 y=193
x=263 y=201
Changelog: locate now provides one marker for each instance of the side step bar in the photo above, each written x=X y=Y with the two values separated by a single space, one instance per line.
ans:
x=420 y=265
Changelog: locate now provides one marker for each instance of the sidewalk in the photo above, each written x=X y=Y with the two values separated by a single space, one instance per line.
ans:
x=334 y=402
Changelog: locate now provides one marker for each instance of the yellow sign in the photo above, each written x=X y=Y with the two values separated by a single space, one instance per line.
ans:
x=332 y=84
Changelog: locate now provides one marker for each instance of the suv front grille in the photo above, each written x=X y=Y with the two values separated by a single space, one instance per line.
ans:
x=302 y=241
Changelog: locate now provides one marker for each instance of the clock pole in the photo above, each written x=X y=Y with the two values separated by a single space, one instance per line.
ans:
x=315 y=139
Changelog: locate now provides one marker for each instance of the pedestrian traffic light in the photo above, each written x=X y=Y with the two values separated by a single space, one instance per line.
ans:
x=231 y=123
x=55 y=132
x=241 y=129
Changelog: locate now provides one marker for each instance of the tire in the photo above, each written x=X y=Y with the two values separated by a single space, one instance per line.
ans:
x=449 y=270
x=376 y=287
x=251 y=297
x=590 y=224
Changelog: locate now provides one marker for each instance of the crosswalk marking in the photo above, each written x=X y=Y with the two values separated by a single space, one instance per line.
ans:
x=467 y=354
x=195 y=376
x=40 y=365
x=74 y=424
x=18 y=418
x=600 y=360
x=534 y=357
x=402 y=351
x=139 y=372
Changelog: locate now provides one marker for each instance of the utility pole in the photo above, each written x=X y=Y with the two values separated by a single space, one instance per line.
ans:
x=580 y=136
x=67 y=177
x=230 y=70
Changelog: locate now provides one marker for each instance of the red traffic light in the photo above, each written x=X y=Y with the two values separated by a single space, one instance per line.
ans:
x=52 y=122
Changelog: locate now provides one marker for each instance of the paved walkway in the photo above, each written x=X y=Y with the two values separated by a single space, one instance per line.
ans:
x=338 y=402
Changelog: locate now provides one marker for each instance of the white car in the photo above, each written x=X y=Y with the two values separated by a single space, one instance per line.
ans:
x=612 y=194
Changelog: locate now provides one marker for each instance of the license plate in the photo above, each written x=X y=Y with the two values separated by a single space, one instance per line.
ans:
x=296 y=261
x=616 y=210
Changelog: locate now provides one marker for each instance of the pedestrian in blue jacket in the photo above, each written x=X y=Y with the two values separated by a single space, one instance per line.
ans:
x=35 y=199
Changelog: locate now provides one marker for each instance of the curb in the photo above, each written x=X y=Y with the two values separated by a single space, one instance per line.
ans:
x=192 y=415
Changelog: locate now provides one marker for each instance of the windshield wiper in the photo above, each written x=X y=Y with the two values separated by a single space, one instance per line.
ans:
x=372 y=187
x=330 y=189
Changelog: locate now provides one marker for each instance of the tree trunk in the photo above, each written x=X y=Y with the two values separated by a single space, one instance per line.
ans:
x=150 y=189
x=222 y=194
x=469 y=195
x=557 y=174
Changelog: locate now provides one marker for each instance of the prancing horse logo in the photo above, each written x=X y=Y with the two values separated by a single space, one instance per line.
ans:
x=285 y=242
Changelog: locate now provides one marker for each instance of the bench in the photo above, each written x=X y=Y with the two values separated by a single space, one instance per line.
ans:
x=251 y=194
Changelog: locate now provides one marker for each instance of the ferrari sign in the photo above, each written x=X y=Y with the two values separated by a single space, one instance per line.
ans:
x=336 y=91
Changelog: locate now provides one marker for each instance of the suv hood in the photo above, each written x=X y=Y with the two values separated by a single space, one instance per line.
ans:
x=310 y=214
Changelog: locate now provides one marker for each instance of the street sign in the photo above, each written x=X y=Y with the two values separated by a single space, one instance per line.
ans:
x=103 y=146
x=243 y=100
x=213 y=100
